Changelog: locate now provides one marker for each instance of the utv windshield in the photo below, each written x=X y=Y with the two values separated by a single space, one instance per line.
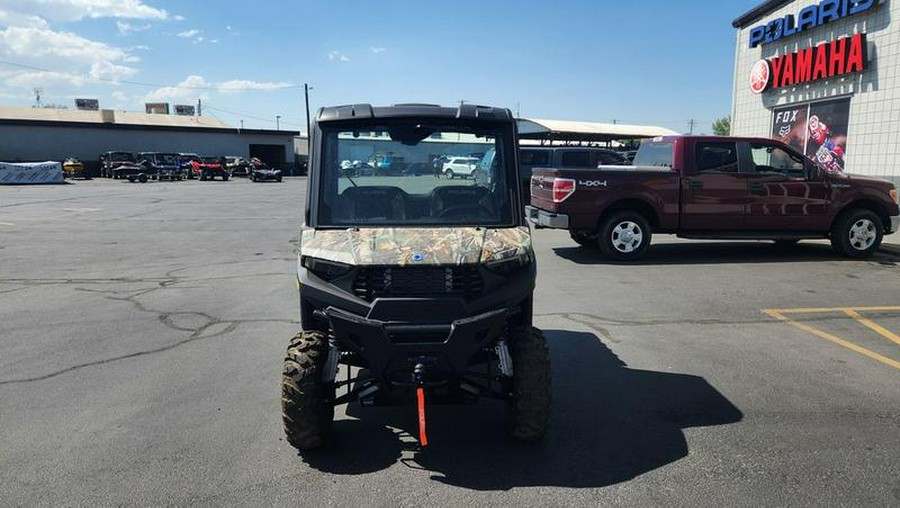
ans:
x=414 y=173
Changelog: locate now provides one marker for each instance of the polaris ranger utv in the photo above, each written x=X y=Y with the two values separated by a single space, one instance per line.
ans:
x=420 y=287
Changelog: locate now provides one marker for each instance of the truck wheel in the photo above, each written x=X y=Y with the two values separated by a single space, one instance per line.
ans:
x=225 y=177
x=142 y=178
x=857 y=233
x=307 y=403
x=582 y=239
x=528 y=411
x=624 y=236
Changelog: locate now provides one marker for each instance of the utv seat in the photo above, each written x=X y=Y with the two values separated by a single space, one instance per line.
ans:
x=370 y=203
x=443 y=198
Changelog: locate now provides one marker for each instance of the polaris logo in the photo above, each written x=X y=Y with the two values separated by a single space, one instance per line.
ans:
x=593 y=183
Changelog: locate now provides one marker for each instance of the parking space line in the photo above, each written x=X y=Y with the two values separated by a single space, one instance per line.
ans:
x=875 y=327
x=816 y=310
x=779 y=314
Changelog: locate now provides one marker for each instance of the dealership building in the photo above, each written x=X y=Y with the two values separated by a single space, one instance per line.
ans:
x=47 y=134
x=823 y=76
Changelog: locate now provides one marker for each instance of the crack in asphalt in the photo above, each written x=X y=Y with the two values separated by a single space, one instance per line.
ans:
x=166 y=318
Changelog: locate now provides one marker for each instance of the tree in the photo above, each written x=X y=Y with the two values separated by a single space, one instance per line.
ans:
x=722 y=126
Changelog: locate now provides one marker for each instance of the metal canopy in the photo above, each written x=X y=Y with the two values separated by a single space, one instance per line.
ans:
x=564 y=130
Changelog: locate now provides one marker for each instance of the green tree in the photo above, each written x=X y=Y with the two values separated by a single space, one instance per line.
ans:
x=722 y=126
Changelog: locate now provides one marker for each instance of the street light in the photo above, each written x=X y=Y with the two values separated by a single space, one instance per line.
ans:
x=277 y=122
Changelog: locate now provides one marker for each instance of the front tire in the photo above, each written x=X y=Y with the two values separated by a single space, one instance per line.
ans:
x=307 y=402
x=624 y=236
x=857 y=233
x=528 y=411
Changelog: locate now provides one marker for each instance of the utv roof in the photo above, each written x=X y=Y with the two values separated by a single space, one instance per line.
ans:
x=367 y=111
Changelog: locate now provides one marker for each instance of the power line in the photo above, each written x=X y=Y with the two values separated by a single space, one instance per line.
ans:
x=139 y=83
x=247 y=115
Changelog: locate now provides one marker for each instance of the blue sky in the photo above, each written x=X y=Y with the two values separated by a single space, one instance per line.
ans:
x=641 y=61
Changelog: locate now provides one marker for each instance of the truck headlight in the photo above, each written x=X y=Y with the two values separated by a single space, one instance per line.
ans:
x=324 y=269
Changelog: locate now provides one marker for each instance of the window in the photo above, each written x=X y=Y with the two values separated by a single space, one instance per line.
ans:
x=773 y=159
x=717 y=158
x=611 y=159
x=580 y=159
x=654 y=153
x=535 y=158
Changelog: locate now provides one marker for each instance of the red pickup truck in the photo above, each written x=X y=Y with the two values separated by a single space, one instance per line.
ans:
x=714 y=187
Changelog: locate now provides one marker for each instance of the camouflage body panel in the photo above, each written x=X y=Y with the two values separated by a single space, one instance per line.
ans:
x=415 y=246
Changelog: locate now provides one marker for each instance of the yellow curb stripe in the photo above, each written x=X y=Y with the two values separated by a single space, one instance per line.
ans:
x=831 y=309
x=837 y=340
x=875 y=327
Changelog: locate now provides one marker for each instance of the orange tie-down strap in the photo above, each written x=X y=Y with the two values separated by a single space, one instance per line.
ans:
x=423 y=438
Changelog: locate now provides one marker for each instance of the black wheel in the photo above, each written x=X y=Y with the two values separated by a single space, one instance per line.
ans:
x=857 y=233
x=582 y=239
x=624 y=236
x=131 y=178
x=142 y=178
x=450 y=174
x=278 y=179
x=225 y=177
x=307 y=403
x=252 y=178
x=202 y=176
x=528 y=411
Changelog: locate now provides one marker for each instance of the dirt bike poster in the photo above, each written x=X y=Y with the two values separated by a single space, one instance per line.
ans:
x=819 y=130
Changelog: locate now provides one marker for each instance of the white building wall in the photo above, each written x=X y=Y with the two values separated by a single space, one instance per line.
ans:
x=873 y=145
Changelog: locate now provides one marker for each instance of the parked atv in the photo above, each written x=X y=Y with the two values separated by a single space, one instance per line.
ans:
x=419 y=289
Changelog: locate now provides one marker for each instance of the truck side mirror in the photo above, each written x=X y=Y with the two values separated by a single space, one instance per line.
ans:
x=812 y=170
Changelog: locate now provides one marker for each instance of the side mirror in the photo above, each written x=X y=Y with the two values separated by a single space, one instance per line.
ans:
x=812 y=170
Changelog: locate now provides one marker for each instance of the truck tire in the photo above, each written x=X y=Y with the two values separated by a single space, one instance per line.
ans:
x=582 y=239
x=857 y=233
x=528 y=410
x=225 y=177
x=307 y=403
x=624 y=236
x=142 y=178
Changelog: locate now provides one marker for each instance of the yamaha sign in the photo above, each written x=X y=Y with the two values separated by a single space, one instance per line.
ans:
x=845 y=55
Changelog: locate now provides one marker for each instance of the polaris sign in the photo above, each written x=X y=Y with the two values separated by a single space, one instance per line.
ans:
x=811 y=17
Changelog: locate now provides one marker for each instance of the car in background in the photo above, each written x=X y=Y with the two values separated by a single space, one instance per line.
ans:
x=237 y=166
x=186 y=162
x=385 y=164
x=109 y=161
x=208 y=168
x=74 y=168
x=264 y=173
x=163 y=166
x=459 y=166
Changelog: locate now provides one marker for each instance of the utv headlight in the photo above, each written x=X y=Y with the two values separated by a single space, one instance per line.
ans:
x=508 y=261
x=894 y=195
x=325 y=270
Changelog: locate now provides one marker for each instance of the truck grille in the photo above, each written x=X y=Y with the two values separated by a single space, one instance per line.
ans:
x=419 y=281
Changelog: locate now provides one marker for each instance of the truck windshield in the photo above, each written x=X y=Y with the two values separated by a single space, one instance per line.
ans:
x=415 y=174
x=654 y=153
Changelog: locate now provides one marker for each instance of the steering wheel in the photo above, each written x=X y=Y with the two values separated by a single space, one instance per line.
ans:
x=463 y=210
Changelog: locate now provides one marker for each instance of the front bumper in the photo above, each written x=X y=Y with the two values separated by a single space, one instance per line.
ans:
x=893 y=225
x=547 y=219
x=392 y=349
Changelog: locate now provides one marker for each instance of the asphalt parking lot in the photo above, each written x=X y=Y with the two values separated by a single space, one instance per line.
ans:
x=142 y=328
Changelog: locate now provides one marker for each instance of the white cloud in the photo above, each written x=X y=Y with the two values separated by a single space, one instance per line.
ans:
x=228 y=27
x=75 y=10
x=337 y=55
x=377 y=50
x=189 y=90
x=35 y=45
x=126 y=28
x=178 y=17
x=110 y=71
x=9 y=18
x=45 y=80
x=188 y=34
x=237 y=85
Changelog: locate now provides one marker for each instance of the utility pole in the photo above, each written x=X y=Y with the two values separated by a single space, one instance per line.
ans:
x=199 y=107
x=37 y=97
x=277 y=122
x=691 y=122
x=308 y=137
x=517 y=110
x=242 y=124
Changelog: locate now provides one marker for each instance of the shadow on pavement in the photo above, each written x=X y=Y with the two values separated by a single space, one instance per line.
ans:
x=689 y=253
x=610 y=423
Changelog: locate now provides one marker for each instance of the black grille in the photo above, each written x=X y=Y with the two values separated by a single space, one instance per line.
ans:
x=417 y=281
